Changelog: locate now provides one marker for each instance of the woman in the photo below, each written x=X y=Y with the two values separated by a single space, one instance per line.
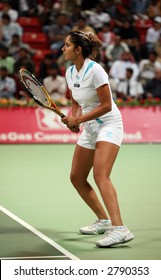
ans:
x=99 y=142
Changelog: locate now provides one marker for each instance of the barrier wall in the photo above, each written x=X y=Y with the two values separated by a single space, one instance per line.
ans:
x=37 y=125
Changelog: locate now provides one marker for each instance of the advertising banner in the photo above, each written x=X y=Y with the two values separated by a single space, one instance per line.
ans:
x=38 y=125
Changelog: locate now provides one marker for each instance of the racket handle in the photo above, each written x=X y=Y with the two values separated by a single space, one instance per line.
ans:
x=78 y=130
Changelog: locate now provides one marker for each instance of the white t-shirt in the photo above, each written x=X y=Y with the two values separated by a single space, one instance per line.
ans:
x=135 y=87
x=83 y=85
x=152 y=35
x=56 y=87
x=97 y=20
x=118 y=69
x=147 y=68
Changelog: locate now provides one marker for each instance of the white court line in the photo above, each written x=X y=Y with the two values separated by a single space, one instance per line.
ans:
x=34 y=257
x=38 y=233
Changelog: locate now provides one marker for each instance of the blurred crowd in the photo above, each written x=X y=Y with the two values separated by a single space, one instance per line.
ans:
x=130 y=32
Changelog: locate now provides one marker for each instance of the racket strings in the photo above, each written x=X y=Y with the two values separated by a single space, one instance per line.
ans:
x=35 y=89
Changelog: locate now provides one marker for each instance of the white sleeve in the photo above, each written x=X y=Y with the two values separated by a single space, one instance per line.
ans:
x=100 y=77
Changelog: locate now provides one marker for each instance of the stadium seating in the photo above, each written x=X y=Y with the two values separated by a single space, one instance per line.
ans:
x=30 y=24
x=37 y=40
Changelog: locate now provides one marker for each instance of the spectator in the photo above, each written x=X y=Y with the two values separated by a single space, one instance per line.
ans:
x=81 y=25
x=43 y=70
x=24 y=60
x=114 y=51
x=118 y=68
x=154 y=8
x=106 y=35
x=8 y=29
x=48 y=14
x=153 y=33
x=7 y=84
x=7 y=9
x=128 y=33
x=27 y=8
x=98 y=18
x=122 y=15
x=139 y=7
x=88 y=5
x=148 y=66
x=76 y=14
x=157 y=48
x=153 y=86
x=68 y=5
x=6 y=60
x=16 y=44
x=55 y=83
x=139 y=50
x=130 y=87
x=57 y=33
x=110 y=7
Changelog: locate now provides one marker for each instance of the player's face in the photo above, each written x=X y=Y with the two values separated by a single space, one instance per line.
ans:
x=69 y=50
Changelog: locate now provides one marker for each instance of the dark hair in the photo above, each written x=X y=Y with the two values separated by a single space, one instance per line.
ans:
x=6 y=16
x=48 y=56
x=3 y=68
x=3 y=48
x=82 y=18
x=54 y=66
x=130 y=70
x=153 y=52
x=15 y=35
x=88 y=42
x=6 y=1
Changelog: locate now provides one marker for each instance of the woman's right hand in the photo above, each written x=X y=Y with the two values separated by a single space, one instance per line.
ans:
x=74 y=129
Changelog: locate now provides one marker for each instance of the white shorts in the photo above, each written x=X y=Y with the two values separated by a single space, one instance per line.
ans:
x=94 y=132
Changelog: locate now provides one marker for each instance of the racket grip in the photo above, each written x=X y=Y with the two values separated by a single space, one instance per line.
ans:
x=78 y=130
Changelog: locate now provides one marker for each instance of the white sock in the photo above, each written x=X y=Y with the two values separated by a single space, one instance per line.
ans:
x=120 y=227
x=105 y=221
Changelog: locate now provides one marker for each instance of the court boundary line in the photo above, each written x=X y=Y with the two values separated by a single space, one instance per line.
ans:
x=34 y=257
x=39 y=234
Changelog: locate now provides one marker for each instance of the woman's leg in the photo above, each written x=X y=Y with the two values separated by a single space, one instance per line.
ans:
x=104 y=158
x=81 y=166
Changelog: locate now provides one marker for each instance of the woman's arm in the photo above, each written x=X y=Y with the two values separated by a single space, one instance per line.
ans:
x=104 y=107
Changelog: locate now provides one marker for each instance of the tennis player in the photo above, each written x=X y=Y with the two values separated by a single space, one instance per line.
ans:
x=101 y=137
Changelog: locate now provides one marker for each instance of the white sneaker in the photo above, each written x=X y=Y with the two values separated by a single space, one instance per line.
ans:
x=96 y=228
x=115 y=236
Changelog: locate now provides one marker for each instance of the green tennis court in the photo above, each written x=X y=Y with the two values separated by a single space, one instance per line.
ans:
x=41 y=212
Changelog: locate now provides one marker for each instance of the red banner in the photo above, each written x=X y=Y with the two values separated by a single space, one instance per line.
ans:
x=142 y=125
x=37 y=125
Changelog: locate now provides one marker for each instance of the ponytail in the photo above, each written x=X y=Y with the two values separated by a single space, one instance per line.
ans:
x=88 y=42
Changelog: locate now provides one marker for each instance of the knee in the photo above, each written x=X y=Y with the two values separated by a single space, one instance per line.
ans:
x=100 y=177
x=75 y=179
x=97 y=177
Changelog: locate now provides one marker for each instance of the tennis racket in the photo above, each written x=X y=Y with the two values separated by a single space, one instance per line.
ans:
x=38 y=92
